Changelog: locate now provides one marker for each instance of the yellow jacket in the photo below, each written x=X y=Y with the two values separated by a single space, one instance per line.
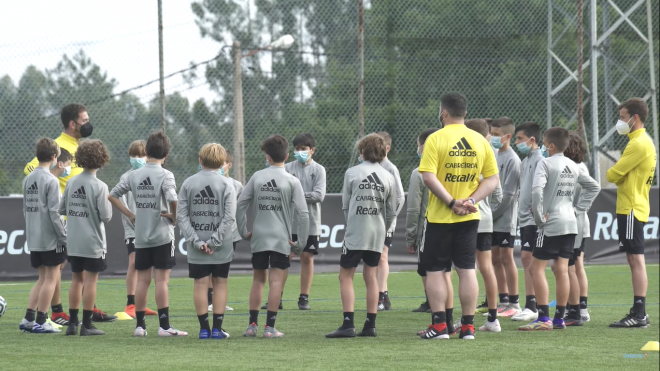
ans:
x=70 y=144
x=633 y=175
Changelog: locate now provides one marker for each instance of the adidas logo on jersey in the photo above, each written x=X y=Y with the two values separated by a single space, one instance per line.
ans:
x=33 y=189
x=462 y=148
x=205 y=197
x=372 y=182
x=270 y=187
x=79 y=193
x=566 y=173
x=145 y=185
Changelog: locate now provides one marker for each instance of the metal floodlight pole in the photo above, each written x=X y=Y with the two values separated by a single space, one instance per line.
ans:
x=549 y=70
x=361 y=66
x=239 y=144
x=654 y=89
x=593 y=28
x=160 y=64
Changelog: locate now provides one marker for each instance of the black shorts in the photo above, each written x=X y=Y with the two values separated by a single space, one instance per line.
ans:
x=198 y=271
x=631 y=234
x=273 y=259
x=528 y=236
x=548 y=248
x=159 y=257
x=574 y=257
x=351 y=258
x=80 y=264
x=484 y=241
x=447 y=243
x=130 y=245
x=388 y=240
x=312 y=245
x=503 y=239
x=49 y=258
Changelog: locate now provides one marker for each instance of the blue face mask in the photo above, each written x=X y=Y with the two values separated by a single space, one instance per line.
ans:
x=67 y=172
x=138 y=162
x=523 y=148
x=221 y=171
x=496 y=142
x=301 y=156
x=360 y=159
x=544 y=151
x=267 y=164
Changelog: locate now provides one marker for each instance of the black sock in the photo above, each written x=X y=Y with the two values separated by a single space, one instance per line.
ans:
x=530 y=302
x=514 y=299
x=492 y=315
x=381 y=296
x=73 y=316
x=57 y=308
x=426 y=296
x=348 y=320
x=386 y=295
x=217 y=320
x=467 y=320
x=486 y=302
x=504 y=298
x=87 y=318
x=209 y=295
x=639 y=306
x=449 y=313
x=583 y=302
x=139 y=316
x=544 y=310
x=438 y=317
x=130 y=299
x=303 y=297
x=574 y=311
x=270 y=318
x=41 y=317
x=254 y=317
x=164 y=318
x=30 y=315
x=559 y=312
x=204 y=322
x=371 y=321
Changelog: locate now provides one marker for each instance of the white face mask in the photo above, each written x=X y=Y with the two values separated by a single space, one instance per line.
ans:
x=622 y=127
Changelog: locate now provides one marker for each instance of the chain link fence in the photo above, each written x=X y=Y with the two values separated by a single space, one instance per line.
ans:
x=495 y=52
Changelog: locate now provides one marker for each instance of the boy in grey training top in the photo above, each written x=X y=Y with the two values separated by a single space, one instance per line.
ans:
x=552 y=205
x=154 y=192
x=369 y=204
x=85 y=203
x=45 y=235
x=275 y=196
x=206 y=209
x=384 y=265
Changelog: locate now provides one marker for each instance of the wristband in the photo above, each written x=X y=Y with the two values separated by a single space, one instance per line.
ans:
x=473 y=203
x=451 y=204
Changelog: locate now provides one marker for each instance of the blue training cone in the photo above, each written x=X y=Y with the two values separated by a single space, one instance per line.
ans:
x=553 y=303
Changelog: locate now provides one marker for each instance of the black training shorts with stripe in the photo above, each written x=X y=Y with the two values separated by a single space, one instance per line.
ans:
x=631 y=234
x=447 y=243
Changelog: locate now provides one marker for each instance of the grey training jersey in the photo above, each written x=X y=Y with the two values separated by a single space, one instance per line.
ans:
x=552 y=193
x=86 y=206
x=275 y=196
x=153 y=189
x=399 y=192
x=312 y=179
x=418 y=200
x=44 y=230
x=205 y=214
x=129 y=202
x=506 y=214
x=527 y=171
x=486 y=221
x=238 y=187
x=584 y=227
x=369 y=203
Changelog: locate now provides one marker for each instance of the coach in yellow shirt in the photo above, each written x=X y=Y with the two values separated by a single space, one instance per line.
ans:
x=453 y=160
x=633 y=176
x=76 y=125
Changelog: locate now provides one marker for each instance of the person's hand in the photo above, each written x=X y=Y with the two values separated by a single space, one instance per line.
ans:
x=171 y=217
x=132 y=219
x=412 y=249
x=206 y=249
x=546 y=217
x=463 y=207
x=248 y=236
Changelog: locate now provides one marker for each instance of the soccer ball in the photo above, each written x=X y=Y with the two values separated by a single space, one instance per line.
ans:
x=3 y=306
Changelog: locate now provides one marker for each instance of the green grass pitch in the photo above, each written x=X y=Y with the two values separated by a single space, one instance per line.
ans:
x=594 y=346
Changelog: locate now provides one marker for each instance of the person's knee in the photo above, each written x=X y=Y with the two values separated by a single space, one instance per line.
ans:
x=636 y=262
x=306 y=258
x=507 y=257
x=495 y=258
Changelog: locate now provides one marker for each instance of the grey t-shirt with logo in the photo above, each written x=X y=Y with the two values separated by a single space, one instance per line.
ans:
x=312 y=179
x=486 y=221
x=238 y=187
x=44 y=230
x=399 y=192
x=527 y=171
x=129 y=202
x=505 y=215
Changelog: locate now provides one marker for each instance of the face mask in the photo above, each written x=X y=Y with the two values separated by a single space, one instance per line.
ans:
x=301 y=156
x=622 y=127
x=419 y=155
x=137 y=163
x=267 y=164
x=523 y=148
x=86 y=130
x=496 y=142
x=53 y=165
x=360 y=159
x=67 y=172
x=221 y=171
x=544 y=151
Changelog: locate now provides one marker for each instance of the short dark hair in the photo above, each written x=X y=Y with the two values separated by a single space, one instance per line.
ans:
x=277 y=147
x=421 y=138
x=230 y=157
x=64 y=156
x=372 y=148
x=70 y=112
x=636 y=106
x=92 y=154
x=46 y=148
x=386 y=137
x=505 y=124
x=531 y=130
x=455 y=104
x=158 y=145
x=577 y=148
x=303 y=140
x=558 y=137
x=478 y=125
